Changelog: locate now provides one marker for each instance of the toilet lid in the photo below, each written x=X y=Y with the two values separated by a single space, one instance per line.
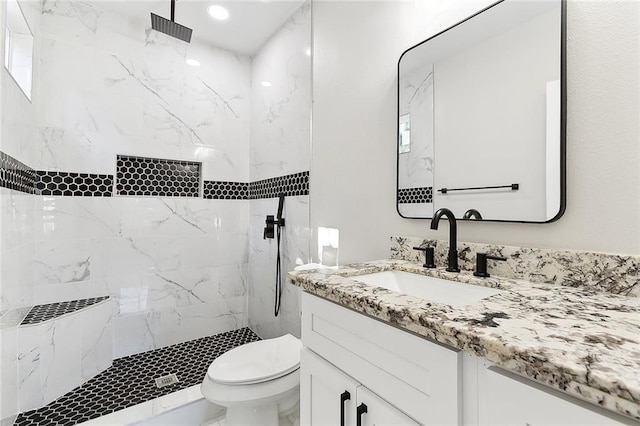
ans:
x=257 y=361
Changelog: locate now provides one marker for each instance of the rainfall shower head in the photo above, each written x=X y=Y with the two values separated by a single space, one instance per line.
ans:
x=170 y=27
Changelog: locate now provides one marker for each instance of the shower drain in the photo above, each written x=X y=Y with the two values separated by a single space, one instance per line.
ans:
x=167 y=380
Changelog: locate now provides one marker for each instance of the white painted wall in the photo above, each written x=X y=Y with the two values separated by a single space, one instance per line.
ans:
x=356 y=48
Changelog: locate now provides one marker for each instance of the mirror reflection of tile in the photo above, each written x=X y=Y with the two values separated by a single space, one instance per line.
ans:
x=18 y=58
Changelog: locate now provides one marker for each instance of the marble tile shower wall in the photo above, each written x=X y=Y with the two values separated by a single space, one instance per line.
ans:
x=17 y=139
x=175 y=267
x=280 y=131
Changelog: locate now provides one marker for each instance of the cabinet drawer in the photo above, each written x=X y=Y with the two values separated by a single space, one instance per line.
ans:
x=508 y=399
x=420 y=377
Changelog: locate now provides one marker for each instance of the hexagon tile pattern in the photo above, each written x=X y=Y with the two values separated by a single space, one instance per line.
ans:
x=16 y=175
x=289 y=185
x=415 y=195
x=214 y=190
x=131 y=380
x=42 y=313
x=154 y=177
x=74 y=184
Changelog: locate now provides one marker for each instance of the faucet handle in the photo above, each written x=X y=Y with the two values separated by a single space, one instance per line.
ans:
x=481 y=264
x=429 y=256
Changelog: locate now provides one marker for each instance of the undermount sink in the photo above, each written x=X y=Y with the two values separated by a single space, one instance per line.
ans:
x=434 y=289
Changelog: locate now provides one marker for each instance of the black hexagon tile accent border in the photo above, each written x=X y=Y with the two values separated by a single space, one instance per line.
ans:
x=42 y=313
x=16 y=175
x=289 y=185
x=415 y=195
x=218 y=190
x=72 y=184
x=142 y=176
x=154 y=177
x=131 y=380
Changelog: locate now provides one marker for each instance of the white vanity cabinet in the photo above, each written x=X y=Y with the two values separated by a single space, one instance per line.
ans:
x=401 y=378
x=351 y=359
x=334 y=398
x=508 y=399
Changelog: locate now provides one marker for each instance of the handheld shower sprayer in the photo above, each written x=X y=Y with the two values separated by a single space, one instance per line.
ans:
x=273 y=226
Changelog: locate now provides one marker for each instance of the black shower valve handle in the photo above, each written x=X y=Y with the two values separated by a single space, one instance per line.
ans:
x=269 y=229
x=270 y=224
x=429 y=256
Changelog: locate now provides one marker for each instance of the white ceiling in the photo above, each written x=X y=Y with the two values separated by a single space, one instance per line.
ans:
x=250 y=23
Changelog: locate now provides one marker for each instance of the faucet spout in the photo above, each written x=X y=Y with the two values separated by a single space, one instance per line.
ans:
x=472 y=214
x=452 y=258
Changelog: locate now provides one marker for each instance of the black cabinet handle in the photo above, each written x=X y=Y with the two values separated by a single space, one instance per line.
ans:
x=362 y=408
x=345 y=396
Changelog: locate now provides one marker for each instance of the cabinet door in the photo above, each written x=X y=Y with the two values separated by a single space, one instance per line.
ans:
x=327 y=395
x=508 y=399
x=420 y=377
x=378 y=411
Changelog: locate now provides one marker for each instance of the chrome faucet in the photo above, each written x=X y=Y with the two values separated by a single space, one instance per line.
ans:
x=452 y=258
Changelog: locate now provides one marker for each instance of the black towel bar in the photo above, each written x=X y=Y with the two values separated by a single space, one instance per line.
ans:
x=513 y=186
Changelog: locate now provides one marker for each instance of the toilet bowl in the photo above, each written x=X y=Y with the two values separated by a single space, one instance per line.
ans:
x=256 y=381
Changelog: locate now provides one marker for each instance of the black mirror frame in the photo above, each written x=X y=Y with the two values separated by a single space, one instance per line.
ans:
x=563 y=119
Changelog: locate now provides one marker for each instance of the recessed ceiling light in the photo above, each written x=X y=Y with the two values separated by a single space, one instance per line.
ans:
x=266 y=84
x=218 y=12
x=193 y=62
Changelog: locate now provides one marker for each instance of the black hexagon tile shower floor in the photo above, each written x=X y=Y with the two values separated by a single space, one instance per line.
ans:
x=131 y=380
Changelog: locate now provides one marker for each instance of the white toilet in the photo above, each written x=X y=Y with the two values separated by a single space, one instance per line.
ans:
x=256 y=381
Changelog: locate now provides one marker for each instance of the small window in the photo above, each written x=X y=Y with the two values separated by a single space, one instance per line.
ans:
x=18 y=48
x=405 y=134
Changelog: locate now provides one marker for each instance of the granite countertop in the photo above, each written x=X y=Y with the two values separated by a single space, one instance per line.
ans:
x=583 y=342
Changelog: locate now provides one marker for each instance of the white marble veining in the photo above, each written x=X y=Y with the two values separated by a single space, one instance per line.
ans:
x=16 y=249
x=294 y=251
x=64 y=292
x=580 y=341
x=153 y=329
x=280 y=113
x=62 y=261
x=96 y=342
x=29 y=383
x=58 y=355
x=134 y=333
x=176 y=269
x=152 y=255
x=18 y=135
x=136 y=95
x=280 y=128
x=9 y=370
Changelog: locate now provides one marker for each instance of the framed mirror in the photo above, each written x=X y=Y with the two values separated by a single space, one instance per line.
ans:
x=482 y=117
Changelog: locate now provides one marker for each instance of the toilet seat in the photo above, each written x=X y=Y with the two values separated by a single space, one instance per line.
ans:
x=257 y=362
